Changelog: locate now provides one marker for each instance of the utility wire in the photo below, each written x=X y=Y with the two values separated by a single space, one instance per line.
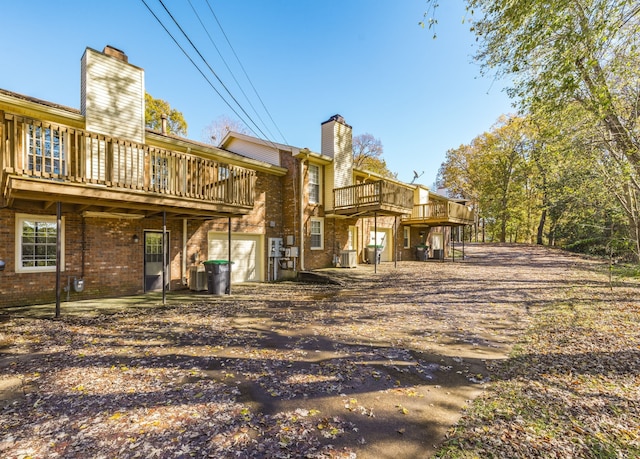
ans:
x=207 y=64
x=189 y=57
x=245 y=73
x=229 y=69
x=212 y=71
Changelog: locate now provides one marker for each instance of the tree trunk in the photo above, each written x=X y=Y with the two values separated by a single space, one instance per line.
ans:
x=543 y=219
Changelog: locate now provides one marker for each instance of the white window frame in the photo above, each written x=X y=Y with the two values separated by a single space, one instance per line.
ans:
x=46 y=150
x=316 y=228
x=20 y=220
x=407 y=237
x=315 y=186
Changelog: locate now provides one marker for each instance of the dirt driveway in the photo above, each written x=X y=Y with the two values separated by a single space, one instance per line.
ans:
x=377 y=366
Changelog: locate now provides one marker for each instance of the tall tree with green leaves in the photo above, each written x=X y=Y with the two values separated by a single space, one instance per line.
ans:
x=155 y=108
x=493 y=172
x=558 y=53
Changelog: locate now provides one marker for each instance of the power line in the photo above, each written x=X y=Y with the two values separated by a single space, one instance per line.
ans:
x=245 y=73
x=208 y=66
x=212 y=71
x=229 y=68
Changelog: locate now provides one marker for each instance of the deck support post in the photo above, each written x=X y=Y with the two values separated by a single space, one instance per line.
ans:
x=229 y=257
x=58 y=256
x=164 y=257
x=375 y=242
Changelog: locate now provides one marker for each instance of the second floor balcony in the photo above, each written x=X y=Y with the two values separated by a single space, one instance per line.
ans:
x=439 y=213
x=46 y=162
x=381 y=196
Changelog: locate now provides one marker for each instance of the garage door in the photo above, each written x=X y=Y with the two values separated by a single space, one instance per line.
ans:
x=246 y=254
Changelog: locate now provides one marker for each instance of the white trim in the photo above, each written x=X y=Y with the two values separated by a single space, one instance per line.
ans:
x=321 y=221
x=406 y=237
x=20 y=219
x=319 y=184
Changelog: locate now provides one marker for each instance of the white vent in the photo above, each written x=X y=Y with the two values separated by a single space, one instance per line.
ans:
x=348 y=259
x=197 y=279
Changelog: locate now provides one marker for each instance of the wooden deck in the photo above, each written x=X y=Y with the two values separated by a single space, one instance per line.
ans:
x=46 y=162
x=381 y=197
x=440 y=213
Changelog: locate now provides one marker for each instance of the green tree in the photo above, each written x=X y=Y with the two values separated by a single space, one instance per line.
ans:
x=494 y=173
x=155 y=108
x=367 y=155
x=558 y=53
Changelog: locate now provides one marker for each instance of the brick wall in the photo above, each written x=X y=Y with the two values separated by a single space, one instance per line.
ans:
x=268 y=200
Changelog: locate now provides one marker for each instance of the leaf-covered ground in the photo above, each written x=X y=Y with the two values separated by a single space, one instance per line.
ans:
x=380 y=366
x=570 y=389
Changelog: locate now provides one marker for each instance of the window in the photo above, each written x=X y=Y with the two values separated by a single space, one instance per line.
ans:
x=223 y=172
x=160 y=173
x=314 y=184
x=317 y=233
x=36 y=239
x=45 y=150
x=153 y=247
x=407 y=239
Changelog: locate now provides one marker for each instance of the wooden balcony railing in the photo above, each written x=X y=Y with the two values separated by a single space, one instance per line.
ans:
x=440 y=212
x=381 y=195
x=40 y=150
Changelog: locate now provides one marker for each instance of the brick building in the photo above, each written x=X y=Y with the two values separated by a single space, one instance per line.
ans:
x=96 y=190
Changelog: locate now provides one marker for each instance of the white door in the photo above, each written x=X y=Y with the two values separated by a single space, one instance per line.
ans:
x=383 y=238
x=352 y=243
x=437 y=246
x=246 y=254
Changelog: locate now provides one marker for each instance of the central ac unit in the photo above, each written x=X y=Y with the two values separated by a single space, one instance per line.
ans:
x=197 y=279
x=348 y=259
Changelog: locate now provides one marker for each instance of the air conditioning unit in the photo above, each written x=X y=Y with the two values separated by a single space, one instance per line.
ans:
x=348 y=259
x=197 y=279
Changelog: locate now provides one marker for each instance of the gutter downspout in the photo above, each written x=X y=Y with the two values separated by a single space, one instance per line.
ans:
x=184 y=251
x=302 y=212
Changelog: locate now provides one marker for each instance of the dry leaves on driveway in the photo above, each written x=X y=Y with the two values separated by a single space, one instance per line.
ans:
x=381 y=365
x=572 y=386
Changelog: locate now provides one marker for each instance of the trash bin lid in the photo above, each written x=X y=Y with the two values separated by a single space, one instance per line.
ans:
x=217 y=262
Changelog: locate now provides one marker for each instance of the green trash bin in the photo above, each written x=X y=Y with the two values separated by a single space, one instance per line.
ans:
x=373 y=254
x=422 y=252
x=218 y=275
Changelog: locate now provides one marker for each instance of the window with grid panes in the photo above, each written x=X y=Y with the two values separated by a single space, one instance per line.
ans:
x=317 y=230
x=36 y=243
x=314 y=184
x=46 y=150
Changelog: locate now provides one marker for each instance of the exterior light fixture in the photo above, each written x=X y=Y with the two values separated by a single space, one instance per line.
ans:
x=135 y=239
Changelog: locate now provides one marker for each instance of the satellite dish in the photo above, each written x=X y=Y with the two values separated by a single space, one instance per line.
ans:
x=416 y=176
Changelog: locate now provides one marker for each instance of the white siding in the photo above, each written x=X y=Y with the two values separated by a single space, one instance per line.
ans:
x=327 y=137
x=337 y=143
x=421 y=195
x=112 y=96
x=260 y=152
x=343 y=156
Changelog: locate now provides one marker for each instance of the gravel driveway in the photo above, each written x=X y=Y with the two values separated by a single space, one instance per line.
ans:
x=376 y=365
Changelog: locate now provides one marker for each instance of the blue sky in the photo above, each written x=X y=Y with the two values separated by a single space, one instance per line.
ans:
x=367 y=60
